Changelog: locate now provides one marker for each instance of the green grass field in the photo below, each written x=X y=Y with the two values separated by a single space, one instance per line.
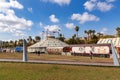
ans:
x=32 y=71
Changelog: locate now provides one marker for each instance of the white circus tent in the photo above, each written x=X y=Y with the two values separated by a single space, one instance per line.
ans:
x=49 y=44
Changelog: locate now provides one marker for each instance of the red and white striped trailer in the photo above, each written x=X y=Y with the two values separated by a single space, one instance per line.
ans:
x=98 y=50
x=115 y=42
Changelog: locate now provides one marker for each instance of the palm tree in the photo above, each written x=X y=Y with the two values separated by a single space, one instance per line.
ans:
x=4 y=45
x=15 y=43
x=99 y=35
x=73 y=39
x=20 y=42
x=93 y=31
x=11 y=43
x=29 y=39
x=61 y=37
x=77 y=29
x=90 y=34
x=37 y=38
x=86 y=32
x=118 y=31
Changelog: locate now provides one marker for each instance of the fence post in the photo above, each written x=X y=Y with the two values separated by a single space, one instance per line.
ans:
x=114 y=55
x=24 y=51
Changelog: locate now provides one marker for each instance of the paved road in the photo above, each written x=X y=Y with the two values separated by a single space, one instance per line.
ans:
x=59 y=62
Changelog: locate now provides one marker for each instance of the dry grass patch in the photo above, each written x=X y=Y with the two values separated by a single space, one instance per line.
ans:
x=55 y=57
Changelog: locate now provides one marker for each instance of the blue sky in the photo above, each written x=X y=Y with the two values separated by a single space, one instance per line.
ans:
x=20 y=18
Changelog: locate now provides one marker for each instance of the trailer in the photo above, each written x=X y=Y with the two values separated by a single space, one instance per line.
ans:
x=97 y=50
x=115 y=42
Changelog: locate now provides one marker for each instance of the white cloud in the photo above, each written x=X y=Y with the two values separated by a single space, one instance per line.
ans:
x=53 y=18
x=19 y=33
x=104 y=30
x=89 y=5
x=9 y=22
x=30 y=10
x=11 y=4
x=103 y=6
x=99 y=5
x=52 y=28
x=70 y=25
x=59 y=2
x=85 y=17
x=40 y=24
x=110 y=0
x=16 y=4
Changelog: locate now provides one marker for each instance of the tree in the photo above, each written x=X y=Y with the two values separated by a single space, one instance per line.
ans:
x=86 y=32
x=71 y=40
x=11 y=43
x=74 y=36
x=29 y=40
x=37 y=38
x=74 y=41
x=93 y=32
x=61 y=37
x=99 y=35
x=77 y=29
x=90 y=34
x=5 y=44
x=15 y=43
x=118 y=31
x=94 y=39
x=108 y=36
x=20 y=42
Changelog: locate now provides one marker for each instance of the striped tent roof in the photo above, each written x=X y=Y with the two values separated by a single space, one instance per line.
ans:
x=50 y=42
x=115 y=41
